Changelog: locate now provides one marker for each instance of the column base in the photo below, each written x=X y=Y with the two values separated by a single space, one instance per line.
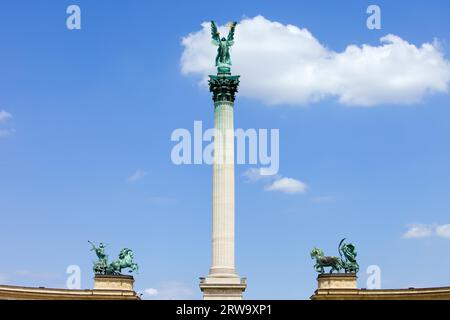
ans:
x=223 y=287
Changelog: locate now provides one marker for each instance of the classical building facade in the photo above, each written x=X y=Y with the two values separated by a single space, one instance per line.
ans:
x=330 y=287
x=105 y=288
x=343 y=286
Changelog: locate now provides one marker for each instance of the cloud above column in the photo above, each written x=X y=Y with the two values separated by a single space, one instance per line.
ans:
x=285 y=64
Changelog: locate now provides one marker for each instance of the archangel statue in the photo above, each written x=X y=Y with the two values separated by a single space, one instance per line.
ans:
x=101 y=266
x=223 y=58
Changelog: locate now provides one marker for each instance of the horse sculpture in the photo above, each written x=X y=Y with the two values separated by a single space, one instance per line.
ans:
x=125 y=261
x=323 y=261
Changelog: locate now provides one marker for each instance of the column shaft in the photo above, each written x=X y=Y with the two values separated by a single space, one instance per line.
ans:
x=223 y=190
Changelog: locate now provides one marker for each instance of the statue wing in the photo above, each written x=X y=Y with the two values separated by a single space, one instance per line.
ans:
x=230 y=39
x=215 y=33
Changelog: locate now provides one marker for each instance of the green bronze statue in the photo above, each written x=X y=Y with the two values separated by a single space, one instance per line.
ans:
x=102 y=263
x=346 y=261
x=125 y=261
x=223 y=85
x=348 y=254
x=223 y=58
x=323 y=261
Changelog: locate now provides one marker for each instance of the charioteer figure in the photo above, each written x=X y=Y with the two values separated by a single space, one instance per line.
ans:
x=101 y=266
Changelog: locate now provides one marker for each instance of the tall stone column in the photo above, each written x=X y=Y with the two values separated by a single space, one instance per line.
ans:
x=223 y=282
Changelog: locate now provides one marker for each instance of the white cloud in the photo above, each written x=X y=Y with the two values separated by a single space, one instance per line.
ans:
x=6 y=127
x=427 y=230
x=151 y=292
x=284 y=64
x=443 y=231
x=418 y=231
x=258 y=174
x=4 y=116
x=287 y=185
x=275 y=182
x=171 y=290
x=138 y=175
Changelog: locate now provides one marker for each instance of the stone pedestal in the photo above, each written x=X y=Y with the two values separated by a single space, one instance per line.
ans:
x=336 y=286
x=226 y=288
x=113 y=282
x=336 y=281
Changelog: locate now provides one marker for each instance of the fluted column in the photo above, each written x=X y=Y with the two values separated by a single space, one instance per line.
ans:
x=223 y=190
x=222 y=281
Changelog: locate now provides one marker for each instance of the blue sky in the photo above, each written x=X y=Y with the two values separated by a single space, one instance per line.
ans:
x=89 y=108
